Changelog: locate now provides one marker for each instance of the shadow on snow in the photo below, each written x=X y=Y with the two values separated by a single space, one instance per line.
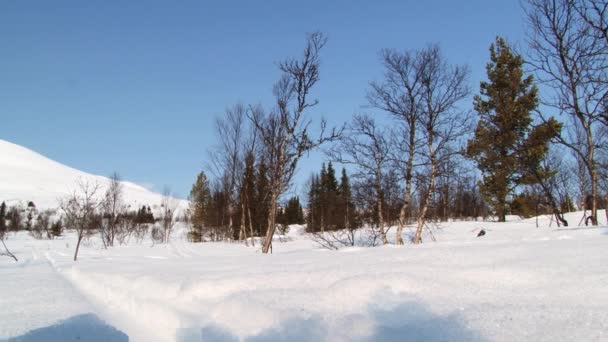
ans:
x=408 y=321
x=85 y=327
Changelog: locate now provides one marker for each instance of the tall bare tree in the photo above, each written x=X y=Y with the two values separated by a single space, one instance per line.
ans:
x=228 y=156
x=284 y=131
x=568 y=53
x=365 y=146
x=400 y=95
x=113 y=208
x=442 y=122
x=80 y=211
x=3 y=231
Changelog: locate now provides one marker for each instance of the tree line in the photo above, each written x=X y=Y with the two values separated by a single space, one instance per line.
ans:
x=531 y=142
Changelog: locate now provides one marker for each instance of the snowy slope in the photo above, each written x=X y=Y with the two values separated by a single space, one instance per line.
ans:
x=28 y=176
x=517 y=283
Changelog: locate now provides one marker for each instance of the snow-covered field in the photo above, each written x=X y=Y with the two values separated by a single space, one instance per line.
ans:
x=517 y=283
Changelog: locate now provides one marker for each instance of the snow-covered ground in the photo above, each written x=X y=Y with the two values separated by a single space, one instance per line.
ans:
x=517 y=283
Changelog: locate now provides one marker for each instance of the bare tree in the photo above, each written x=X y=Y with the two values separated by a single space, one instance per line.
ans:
x=113 y=209
x=284 y=131
x=168 y=214
x=365 y=146
x=227 y=157
x=442 y=122
x=3 y=230
x=80 y=211
x=568 y=53
x=400 y=95
x=336 y=239
x=42 y=228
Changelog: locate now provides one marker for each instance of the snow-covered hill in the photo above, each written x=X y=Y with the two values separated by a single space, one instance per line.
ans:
x=29 y=176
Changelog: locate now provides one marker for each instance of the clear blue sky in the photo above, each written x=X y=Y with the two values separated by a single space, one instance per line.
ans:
x=133 y=86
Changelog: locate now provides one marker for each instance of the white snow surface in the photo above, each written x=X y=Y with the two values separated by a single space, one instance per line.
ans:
x=517 y=283
x=28 y=176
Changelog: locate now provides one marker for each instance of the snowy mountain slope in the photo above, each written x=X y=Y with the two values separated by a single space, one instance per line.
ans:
x=28 y=176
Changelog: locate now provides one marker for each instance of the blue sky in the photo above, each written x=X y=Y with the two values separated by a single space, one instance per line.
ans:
x=134 y=86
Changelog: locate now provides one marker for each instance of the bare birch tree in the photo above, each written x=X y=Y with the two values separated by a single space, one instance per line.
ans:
x=568 y=52
x=365 y=146
x=284 y=131
x=80 y=211
x=442 y=122
x=400 y=95
x=227 y=157
x=113 y=209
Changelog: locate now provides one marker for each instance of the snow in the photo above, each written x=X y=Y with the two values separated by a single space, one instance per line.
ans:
x=518 y=282
x=28 y=176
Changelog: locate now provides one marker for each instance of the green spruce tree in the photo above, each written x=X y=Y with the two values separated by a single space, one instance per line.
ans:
x=505 y=145
x=346 y=213
x=200 y=197
x=313 y=219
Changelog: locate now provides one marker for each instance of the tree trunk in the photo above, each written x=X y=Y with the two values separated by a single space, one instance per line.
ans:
x=405 y=208
x=427 y=198
x=380 y=216
x=250 y=222
x=77 y=246
x=501 y=209
x=243 y=231
x=594 y=194
x=271 y=222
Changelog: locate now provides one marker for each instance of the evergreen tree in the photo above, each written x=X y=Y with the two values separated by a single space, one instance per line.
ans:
x=2 y=219
x=505 y=105
x=57 y=228
x=330 y=204
x=200 y=196
x=281 y=217
x=345 y=207
x=31 y=211
x=330 y=191
x=313 y=219
x=322 y=198
x=14 y=218
x=293 y=212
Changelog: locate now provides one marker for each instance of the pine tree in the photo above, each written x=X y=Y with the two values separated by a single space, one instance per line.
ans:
x=330 y=189
x=345 y=206
x=313 y=219
x=293 y=211
x=14 y=218
x=200 y=197
x=502 y=135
